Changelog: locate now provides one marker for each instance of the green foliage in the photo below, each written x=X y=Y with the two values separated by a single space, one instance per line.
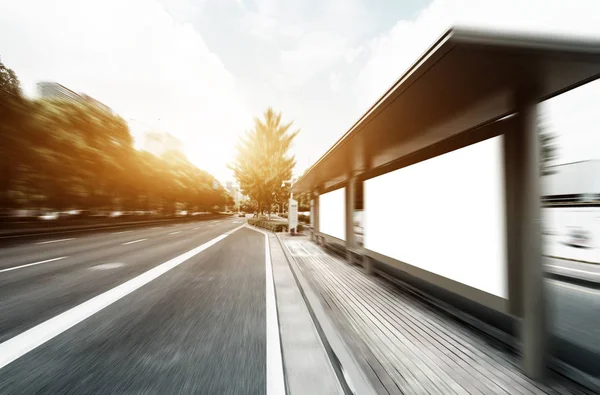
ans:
x=248 y=206
x=62 y=154
x=262 y=162
x=304 y=218
x=13 y=108
x=303 y=201
x=273 y=226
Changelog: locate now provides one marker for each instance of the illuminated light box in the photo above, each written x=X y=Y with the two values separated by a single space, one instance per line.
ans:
x=445 y=215
x=332 y=213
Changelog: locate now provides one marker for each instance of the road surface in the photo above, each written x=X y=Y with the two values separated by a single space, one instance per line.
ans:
x=575 y=313
x=165 y=310
x=177 y=308
x=574 y=300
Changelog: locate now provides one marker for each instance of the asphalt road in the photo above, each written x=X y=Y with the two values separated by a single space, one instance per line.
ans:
x=575 y=313
x=574 y=300
x=166 y=310
x=196 y=325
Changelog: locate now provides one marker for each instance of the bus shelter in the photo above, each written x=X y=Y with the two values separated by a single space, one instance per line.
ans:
x=445 y=167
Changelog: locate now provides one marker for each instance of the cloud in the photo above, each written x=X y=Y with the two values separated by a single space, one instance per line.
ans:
x=134 y=57
x=322 y=63
x=392 y=53
x=315 y=53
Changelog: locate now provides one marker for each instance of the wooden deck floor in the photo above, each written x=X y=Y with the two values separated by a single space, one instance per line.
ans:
x=410 y=346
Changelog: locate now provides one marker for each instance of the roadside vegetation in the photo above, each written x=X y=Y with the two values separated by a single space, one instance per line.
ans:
x=262 y=166
x=64 y=155
x=272 y=225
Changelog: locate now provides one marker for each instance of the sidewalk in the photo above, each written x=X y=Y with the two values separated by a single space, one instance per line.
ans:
x=404 y=345
x=308 y=369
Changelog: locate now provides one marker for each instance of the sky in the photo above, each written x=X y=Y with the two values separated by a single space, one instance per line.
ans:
x=203 y=69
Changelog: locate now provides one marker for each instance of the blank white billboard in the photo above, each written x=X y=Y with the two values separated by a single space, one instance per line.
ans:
x=332 y=213
x=445 y=215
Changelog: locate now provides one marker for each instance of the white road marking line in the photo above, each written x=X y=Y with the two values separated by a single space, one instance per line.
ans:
x=576 y=288
x=23 y=343
x=107 y=266
x=119 y=233
x=574 y=270
x=131 y=242
x=54 y=241
x=33 y=264
x=233 y=230
x=275 y=378
x=197 y=227
x=174 y=233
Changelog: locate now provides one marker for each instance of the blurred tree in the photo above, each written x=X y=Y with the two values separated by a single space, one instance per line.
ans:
x=81 y=148
x=282 y=196
x=248 y=206
x=13 y=133
x=262 y=162
x=303 y=201
x=64 y=154
x=9 y=83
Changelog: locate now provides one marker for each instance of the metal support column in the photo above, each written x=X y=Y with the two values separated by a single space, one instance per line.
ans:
x=316 y=220
x=534 y=326
x=312 y=219
x=350 y=238
x=513 y=154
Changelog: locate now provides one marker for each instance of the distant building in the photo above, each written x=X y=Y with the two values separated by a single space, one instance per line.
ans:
x=54 y=90
x=157 y=143
x=235 y=192
x=96 y=103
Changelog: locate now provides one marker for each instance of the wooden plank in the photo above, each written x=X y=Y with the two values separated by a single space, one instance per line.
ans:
x=420 y=349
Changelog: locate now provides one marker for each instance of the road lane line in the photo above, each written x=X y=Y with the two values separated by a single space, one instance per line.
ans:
x=574 y=270
x=23 y=343
x=33 y=264
x=174 y=233
x=197 y=227
x=132 y=242
x=120 y=233
x=575 y=287
x=275 y=378
x=54 y=241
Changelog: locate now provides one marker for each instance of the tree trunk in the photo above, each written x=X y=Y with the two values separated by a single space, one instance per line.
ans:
x=269 y=206
x=5 y=181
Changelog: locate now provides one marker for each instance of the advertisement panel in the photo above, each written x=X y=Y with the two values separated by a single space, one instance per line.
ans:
x=332 y=213
x=445 y=215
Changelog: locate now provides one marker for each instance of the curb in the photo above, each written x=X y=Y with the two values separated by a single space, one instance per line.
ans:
x=341 y=357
